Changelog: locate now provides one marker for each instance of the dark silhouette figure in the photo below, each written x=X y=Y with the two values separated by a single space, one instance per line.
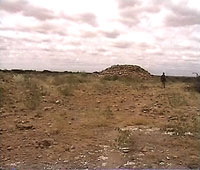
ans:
x=163 y=79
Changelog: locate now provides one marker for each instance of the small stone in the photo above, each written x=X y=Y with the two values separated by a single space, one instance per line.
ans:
x=125 y=150
x=47 y=108
x=57 y=101
x=24 y=126
x=65 y=161
x=104 y=164
x=45 y=143
x=129 y=163
x=161 y=163
x=147 y=148
x=72 y=147
x=103 y=158
x=175 y=157
x=9 y=148
x=188 y=133
x=76 y=158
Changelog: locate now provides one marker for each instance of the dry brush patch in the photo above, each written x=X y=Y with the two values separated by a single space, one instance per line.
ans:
x=2 y=94
x=33 y=93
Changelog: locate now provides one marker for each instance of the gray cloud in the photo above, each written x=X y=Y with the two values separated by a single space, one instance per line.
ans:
x=27 y=9
x=180 y=21
x=122 y=44
x=122 y=4
x=39 y=13
x=88 y=18
x=131 y=11
x=88 y=34
x=182 y=15
x=101 y=50
x=13 y=6
x=50 y=28
x=45 y=27
x=112 y=34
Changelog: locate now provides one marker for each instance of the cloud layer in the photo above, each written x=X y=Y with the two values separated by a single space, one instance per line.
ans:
x=91 y=35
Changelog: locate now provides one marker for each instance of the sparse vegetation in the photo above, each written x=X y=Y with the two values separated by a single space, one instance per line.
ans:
x=110 y=78
x=142 y=121
x=66 y=90
x=177 y=100
x=33 y=95
x=1 y=96
x=197 y=84
x=181 y=127
x=124 y=139
x=108 y=112
x=118 y=118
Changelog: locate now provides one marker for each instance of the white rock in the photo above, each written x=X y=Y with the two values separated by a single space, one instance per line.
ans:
x=103 y=158
x=129 y=163
x=104 y=164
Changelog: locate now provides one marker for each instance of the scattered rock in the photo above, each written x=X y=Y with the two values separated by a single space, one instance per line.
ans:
x=72 y=147
x=38 y=115
x=104 y=164
x=102 y=158
x=129 y=163
x=44 y=144
x=172 y=117
x=48 y=108
x=131 y=71
x=170 y=133
x=57 y=102
x=9 y=148
x=24 y=126
x=125 y=149
x=98 y=101
x=147 y=148
x=188 y=134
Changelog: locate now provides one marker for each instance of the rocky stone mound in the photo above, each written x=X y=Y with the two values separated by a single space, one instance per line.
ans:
x=132 y=71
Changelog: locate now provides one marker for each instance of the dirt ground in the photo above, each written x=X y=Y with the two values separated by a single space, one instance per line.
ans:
x=80 y=121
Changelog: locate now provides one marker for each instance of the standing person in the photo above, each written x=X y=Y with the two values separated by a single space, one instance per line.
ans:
x=163 y=79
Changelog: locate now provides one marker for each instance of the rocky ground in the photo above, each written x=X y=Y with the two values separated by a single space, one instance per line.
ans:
x=80 y=121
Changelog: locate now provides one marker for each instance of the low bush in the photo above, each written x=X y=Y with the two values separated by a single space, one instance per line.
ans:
x=1 y=96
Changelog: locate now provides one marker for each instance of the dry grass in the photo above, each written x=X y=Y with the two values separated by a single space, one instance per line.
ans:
x=33 y=94
x=66 y=90
x=177 y=100
x=1 y=96
x=125 y=139
x=140 y=120
x=72 y=79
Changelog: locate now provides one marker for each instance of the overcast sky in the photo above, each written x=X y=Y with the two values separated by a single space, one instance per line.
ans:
x=90 y=35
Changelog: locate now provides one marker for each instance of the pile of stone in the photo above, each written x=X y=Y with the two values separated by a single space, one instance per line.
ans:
x=132 y=71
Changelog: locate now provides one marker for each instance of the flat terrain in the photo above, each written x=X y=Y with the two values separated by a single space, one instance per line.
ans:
x=75 y=121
